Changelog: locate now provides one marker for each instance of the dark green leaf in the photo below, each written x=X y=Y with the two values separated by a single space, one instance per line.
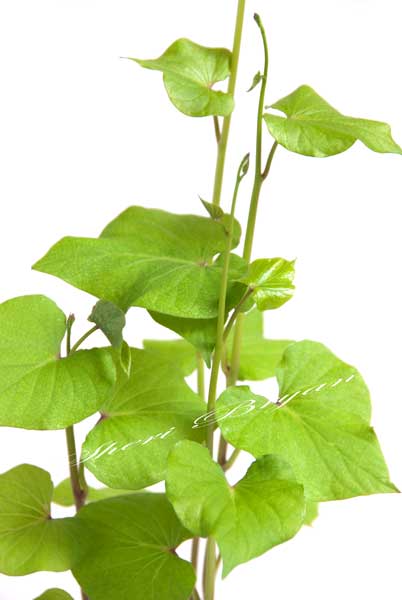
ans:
x=110 y=319
x=128 y=551
x=189 y=72
x=148 y=258
x=30 y=540
x=259 y=357
x=272 y=282
x=264 y=509
x=314 y=128
x=38 y=390
x=320 y=425
x=145 y=417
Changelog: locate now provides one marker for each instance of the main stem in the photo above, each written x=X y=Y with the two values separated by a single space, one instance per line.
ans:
x=224 y=137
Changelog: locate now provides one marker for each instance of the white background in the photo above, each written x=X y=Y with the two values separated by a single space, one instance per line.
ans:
x=84 y=134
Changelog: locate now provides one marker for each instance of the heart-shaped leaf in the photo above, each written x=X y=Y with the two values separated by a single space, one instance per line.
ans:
x=259 y=357
x=314 y=128
x=189 y=72
x=148 y=258
x=30 y=540
x=266 y=508
x=271 y=280
x=179 y=352
x=145 y=417
x=128 y=550
x=320 y=425
x=38 y=390
x=54 y=594
x=110 y=319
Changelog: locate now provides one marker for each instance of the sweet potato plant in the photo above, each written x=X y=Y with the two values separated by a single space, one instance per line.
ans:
x=195 y=275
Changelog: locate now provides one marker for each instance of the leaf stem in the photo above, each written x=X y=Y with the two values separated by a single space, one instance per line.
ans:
x=235 y=313
x=83 y=338
x=232 y=459
x=217 y=129
x=259 y=178
x=210 y=570
x=200 y=376
x=78 y=493
x=224 y=137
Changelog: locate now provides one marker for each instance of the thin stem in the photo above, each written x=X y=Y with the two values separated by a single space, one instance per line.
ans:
x=195 y=549
x=224 y=138
x=219 y=346
x=223 y=446
x=232 y=459
x=196 y=595
x=83 y=338
x=79 y=495
x=210 y=570
x=235 y=313
x=217 y=129
x=200 y=376
x=259 y=178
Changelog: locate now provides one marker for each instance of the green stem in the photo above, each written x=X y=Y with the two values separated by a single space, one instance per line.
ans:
x=219 y=346
x=78 y=493
x=235 y=314
x=210 y=570
x=200 y=376
x=232 y=459
x=224 y=137
x=259 y=178
x=83 y=338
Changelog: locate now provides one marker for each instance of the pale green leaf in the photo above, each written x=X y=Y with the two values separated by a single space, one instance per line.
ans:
x=320 y=424
x=258 y=77
x=189 y=72
x=128 y=550
x=38 y=390
x=110 y=319
x=271 y=280
x=314 y=128
x=148 y=258
x=179 y=352
x=259 y=357
x=312 y=511
x=54 y=594
x=264 y=509
x=30 y=540
x=142 y=421
x=214 y=210
x=63 y=494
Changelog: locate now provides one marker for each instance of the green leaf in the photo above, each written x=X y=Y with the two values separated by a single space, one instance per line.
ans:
x=30 y=540
x=38 y=390
x=312 y=511
x=320 y=425
x=110 y=319
x=179 y=352
x=259 y=357
x=189 y=72
x=63 y=494
x=148 y=258
x=258 y=77
x=201 y=333
x=264 y=509
x=271 y=280
x=314 y=128
x=214 y=211
x=54 y=594
x=145 y=417
x=128 y=552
